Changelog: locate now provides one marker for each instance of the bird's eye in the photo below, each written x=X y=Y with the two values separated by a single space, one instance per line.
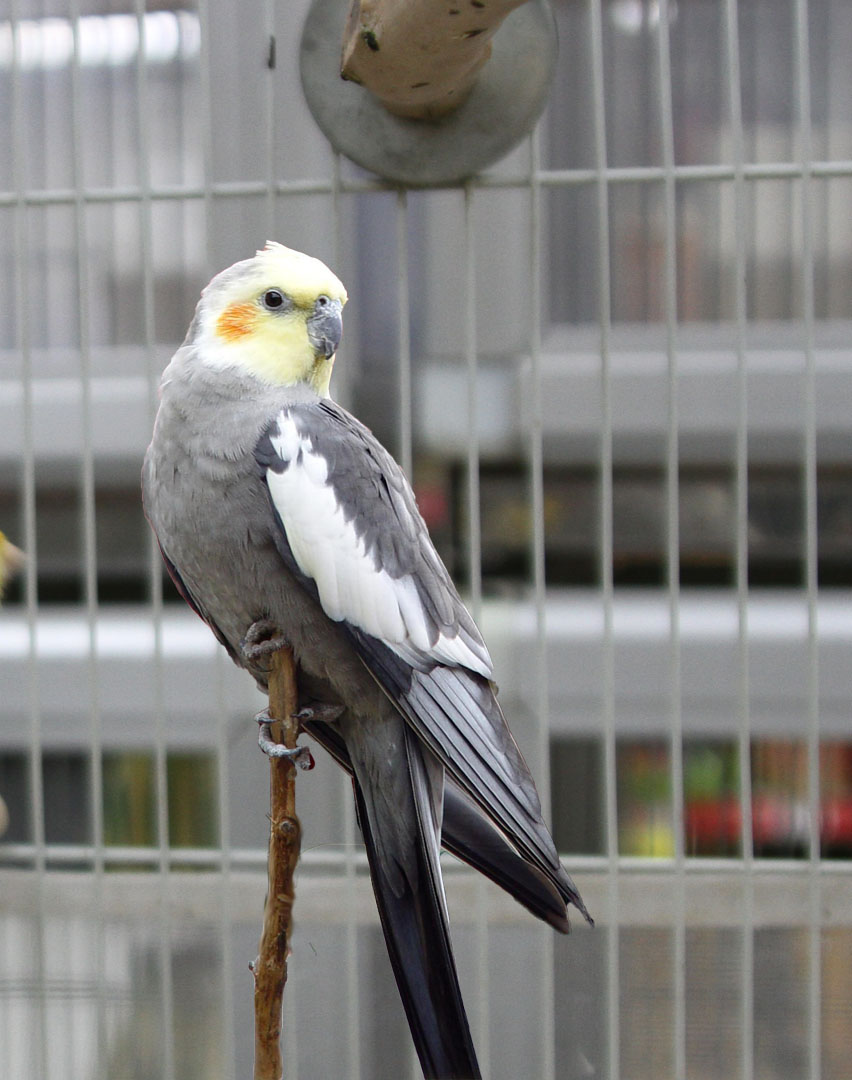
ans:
x=273 y=299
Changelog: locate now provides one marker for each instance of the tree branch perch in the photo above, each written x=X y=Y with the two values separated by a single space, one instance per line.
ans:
x=270 y=968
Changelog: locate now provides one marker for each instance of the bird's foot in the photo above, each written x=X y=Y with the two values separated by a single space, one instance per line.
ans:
x=324 y=714
x=301 y=756
x=263 y=638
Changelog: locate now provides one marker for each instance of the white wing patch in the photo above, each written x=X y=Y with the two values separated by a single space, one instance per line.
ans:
x=327 y=549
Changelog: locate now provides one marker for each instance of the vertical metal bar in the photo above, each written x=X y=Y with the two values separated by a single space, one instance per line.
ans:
x=350 y=837
x=610 y=808
x=87 y=463
x=153 y=373
x=673 y=532
x=206 y=120
x=161 y=800
x=353 y=987
x=167 y=994
x=87 y=485
x=741 y=545
x=222 y=719
x=28 y=478
x=811 y=551
x=404 y=331
x=474 y=548
x=473 y=499
x=228 y=1009
x=149 y=329
x=405 y=402
x=536 y=478
x=23 y=253
x=270 y=126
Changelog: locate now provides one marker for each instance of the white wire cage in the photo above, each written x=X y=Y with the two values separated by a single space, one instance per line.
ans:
x=618 y=358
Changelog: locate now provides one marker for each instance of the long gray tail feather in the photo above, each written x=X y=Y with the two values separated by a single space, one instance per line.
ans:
x=416 y=929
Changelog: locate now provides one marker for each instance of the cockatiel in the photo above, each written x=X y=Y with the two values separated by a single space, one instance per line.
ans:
x=277 y=512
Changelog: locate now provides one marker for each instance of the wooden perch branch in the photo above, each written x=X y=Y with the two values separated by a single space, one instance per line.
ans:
x=420 y=57
x=270 y=968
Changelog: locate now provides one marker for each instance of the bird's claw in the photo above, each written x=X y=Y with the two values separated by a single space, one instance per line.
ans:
x=263 y=638
x=301 y=756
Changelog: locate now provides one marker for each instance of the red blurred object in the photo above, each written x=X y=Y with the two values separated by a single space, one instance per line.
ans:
x=432 y=503
x=712 y=825
x=836 y=822
x=772 y=820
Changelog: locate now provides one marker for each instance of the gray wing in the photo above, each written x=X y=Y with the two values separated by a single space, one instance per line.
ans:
x=351 y=531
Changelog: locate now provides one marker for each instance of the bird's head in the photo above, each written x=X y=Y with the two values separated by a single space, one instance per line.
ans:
x=277 y=316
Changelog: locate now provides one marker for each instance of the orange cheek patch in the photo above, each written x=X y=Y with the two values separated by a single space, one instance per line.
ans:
x=236 y=321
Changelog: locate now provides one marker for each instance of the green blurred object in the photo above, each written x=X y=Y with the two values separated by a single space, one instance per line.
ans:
x=644 y=798
x=710 y=769
x=193 y=793
x=130 y=799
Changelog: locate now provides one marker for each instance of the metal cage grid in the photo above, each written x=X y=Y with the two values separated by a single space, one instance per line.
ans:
x=66 y=897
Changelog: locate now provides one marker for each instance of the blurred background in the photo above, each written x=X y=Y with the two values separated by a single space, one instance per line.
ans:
x=618 y=368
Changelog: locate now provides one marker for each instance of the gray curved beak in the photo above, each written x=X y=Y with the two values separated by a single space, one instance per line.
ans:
x=325 y=326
